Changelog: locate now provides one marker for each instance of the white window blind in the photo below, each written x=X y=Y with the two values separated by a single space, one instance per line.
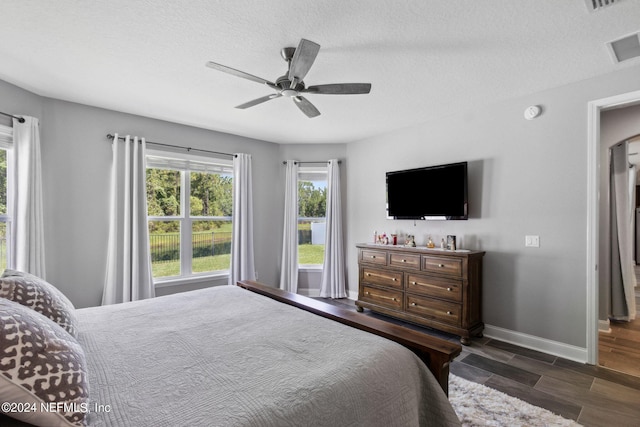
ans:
x=6 y=137
x=186 y=161
x=312 y=173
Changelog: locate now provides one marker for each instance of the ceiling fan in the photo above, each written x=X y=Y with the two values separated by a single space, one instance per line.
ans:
x=291 y=85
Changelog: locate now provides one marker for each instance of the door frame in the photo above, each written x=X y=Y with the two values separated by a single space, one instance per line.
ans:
x=593 y=250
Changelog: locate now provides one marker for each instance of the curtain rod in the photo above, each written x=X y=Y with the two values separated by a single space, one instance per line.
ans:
x=284 y=162
x=110 y=136
x=20 y=119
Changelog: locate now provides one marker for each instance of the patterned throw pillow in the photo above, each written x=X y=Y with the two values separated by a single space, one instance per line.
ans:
x=39 y=295
x=43 y=373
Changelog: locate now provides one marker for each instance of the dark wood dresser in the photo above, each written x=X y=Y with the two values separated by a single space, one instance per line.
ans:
x=437 y=288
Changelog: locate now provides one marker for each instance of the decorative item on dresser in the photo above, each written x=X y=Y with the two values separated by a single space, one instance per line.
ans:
x=441 y=289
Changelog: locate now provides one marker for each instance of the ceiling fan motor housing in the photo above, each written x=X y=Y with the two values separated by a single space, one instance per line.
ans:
x=284 y=84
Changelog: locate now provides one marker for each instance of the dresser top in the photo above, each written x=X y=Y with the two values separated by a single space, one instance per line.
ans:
x=421 y=249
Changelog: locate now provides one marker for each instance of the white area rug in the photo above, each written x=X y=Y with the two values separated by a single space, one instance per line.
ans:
x=478 y=405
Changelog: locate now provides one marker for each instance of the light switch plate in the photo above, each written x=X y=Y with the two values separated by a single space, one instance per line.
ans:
x=532 y=241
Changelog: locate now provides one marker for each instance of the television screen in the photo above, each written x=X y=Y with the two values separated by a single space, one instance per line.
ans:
x=436 y=192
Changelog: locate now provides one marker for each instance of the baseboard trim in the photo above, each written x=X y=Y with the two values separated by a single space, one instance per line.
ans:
x=309 y=292
x=567 y=351
x=604 y=326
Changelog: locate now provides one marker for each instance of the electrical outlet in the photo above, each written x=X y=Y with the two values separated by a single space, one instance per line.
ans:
x=532 y=241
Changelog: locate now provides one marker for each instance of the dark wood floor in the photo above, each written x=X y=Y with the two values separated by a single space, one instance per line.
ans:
x=590 y=395
x=620 y=348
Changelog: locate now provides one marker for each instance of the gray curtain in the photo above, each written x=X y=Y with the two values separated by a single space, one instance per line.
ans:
x=623 y=279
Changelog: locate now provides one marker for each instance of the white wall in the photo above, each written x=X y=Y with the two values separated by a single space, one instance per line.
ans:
x=16 y=101
x=76 y=157
x=525 y=178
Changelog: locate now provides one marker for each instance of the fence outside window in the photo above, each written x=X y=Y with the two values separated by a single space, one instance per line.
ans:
x=311 y=240
x=211 y=251
x=165 y=247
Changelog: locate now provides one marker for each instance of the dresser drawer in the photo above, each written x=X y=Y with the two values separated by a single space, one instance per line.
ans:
x=440 y=311
x=446 y=266
x=404 y=260
x=433 y=286
x=373 y=257
x=384 y=297
x=392 y=279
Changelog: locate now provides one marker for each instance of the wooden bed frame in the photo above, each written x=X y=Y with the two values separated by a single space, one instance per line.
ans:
x=436 y=353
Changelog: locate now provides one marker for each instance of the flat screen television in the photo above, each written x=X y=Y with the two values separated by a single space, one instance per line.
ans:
x=435 y=192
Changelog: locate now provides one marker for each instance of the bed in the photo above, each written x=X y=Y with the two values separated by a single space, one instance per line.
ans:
x=251 y=355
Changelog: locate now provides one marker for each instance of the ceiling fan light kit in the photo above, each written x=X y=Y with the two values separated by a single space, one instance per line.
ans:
x=291 y=85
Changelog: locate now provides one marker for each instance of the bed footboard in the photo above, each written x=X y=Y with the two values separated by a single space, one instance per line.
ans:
x=436 y=353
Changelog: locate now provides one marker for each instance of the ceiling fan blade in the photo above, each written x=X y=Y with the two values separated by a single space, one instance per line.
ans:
x=303 y=58
x=258 y=101
x=339 y=89
x=239 y=73
x=306 y=107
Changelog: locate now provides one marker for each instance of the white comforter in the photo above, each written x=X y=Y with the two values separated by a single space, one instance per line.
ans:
x=225 y=356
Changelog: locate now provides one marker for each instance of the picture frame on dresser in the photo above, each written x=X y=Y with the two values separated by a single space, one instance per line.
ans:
x=437 y=288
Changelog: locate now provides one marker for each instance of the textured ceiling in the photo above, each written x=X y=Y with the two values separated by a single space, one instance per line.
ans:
x=424 y=59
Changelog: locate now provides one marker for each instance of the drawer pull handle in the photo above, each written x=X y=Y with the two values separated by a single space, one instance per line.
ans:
x=393 y=279
x=380 y=296
x=414 y=283
x=440 y=265
x=373 y=256
x=414 y=304
x=449 y=289
x=404 y=260
x=448 y=312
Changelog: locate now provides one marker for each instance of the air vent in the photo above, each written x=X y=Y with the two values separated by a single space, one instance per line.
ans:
x=594 y=5
x=625 y=48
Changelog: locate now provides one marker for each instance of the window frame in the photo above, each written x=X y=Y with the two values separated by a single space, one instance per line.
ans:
x=6 y=144
x=186 y=163
x=312 y=168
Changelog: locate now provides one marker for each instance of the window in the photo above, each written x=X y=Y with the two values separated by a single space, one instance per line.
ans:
x=6 y=144
x=189 y=208
x=312 y=204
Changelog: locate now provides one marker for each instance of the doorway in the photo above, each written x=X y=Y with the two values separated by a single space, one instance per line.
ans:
x=611 y=351
x=619 y=345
